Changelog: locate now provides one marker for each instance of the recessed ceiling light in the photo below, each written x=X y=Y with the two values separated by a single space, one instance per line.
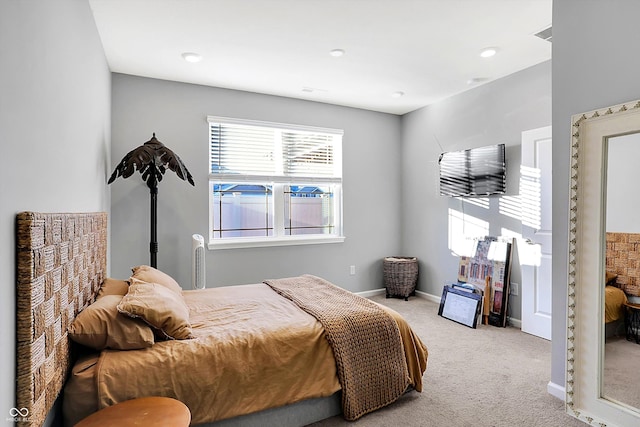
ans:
x=309 y=89
x=337 y=52
x=191 y=57
x=477 y=80
x=398 y=94
x=488 y=52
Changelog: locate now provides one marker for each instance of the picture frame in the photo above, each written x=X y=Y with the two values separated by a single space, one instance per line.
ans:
x=460 y=306
x=492 y=258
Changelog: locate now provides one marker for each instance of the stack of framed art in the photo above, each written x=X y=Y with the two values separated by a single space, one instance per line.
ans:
x=488 y=270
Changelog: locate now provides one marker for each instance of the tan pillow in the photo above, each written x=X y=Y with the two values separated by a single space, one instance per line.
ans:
x=113 y=287
x=148 y=274
x=159 y=307
x=101 y=326
x=610 y=277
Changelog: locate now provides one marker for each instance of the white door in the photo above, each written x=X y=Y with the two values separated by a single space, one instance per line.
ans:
x=535 y=256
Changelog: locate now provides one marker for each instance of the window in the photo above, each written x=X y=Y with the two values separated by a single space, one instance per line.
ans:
x=273 y=184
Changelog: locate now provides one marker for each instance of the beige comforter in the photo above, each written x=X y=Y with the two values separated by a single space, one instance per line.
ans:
x=614 y=298
x=253 y=350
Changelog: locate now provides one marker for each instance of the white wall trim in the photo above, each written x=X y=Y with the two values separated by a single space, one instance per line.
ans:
x=556 y=390
x=420 y=294
x=430 y=297
x=516 y=323
x=369 y=294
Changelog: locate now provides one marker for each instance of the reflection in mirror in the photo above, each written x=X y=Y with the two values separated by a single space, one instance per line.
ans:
x=621 y=367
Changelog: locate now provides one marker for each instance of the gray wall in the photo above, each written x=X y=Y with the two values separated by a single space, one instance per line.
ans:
x=177 y=113
x=54 y=132
x=594 y=66
x=494 y=113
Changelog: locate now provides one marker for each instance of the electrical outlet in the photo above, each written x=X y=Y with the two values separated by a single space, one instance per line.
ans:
x=352 y=270
x=514 y=288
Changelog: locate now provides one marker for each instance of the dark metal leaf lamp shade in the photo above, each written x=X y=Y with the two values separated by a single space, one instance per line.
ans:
x=152 y=159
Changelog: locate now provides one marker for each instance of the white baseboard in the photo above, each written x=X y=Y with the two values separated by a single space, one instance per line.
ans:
x=516 y=323
x=556 y=390
x=367 y=294
x=430 y=297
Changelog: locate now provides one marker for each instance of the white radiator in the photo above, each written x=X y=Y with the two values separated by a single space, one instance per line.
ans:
x=197 y=265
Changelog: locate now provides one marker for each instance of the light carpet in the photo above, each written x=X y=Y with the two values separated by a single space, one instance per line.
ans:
x=621 y=372
x=487 y=376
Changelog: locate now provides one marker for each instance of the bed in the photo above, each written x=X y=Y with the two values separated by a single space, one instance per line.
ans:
x=248 y=349
x=614 y=300
x=622 y=280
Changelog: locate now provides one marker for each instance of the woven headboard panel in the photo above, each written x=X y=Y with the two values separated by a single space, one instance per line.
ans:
x=623 y=259
x=61 y=262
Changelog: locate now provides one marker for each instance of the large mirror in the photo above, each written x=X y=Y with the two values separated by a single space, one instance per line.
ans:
x=602 y=365
x=621 y=367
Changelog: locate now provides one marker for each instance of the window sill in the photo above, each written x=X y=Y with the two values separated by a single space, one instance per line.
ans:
x=272 y=241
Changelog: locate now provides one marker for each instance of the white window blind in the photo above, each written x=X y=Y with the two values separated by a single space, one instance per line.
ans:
x=273 y=150
x=243 y=150
x=308 y=154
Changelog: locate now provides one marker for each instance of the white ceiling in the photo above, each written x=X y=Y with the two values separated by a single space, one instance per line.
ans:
x=428 y=49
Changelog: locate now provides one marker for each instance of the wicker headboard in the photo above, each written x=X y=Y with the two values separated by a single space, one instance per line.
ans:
x=623 y=259
x=61 y=262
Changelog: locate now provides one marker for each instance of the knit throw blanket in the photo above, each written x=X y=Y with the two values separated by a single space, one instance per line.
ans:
x=366 y=342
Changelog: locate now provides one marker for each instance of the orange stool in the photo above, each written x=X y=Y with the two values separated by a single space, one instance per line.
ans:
x=145 y=411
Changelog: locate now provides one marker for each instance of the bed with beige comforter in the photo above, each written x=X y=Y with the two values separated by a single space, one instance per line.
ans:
x=253 y=349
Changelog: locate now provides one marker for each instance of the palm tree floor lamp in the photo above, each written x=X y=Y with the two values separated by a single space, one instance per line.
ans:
x=152 y=159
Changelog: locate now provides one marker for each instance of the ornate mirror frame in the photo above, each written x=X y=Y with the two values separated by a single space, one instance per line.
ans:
x=585 y=307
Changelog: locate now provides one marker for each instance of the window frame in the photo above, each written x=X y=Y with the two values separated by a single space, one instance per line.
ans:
x=278 y=239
